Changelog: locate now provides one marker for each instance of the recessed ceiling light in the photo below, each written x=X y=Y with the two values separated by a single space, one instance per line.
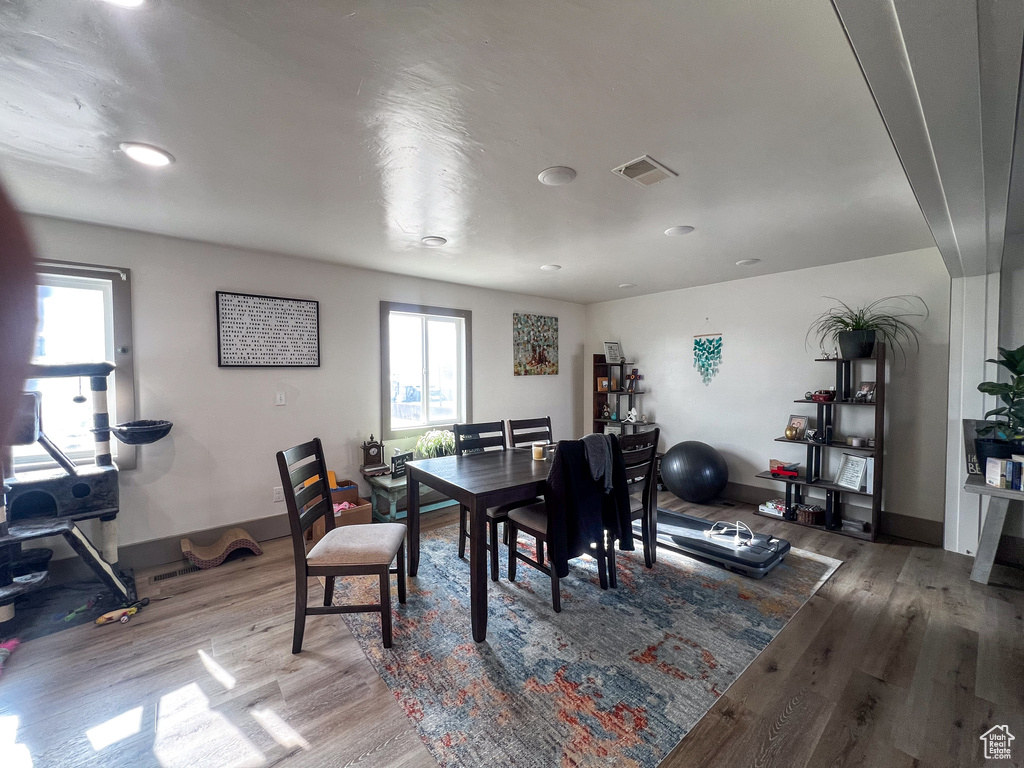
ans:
x=146 y=154
x=627 y=285
x=433 y=241
x=551 y=267
x=126 y=3
x=683 y=229
x=747 y=262
x=556 y=176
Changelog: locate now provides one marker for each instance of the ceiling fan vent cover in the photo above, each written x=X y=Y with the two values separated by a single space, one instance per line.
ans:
x=645 y=171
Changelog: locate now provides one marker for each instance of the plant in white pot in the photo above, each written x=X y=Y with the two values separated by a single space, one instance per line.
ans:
x=1003 y=436
x=855 y=329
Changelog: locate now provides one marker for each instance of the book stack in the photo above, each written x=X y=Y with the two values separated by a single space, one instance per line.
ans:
x=1005 y=473
x=775 y=507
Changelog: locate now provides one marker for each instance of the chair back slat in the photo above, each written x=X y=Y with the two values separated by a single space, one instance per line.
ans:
x=310 y=502
x=526 y=431
x=474 y=438
x=639 y=453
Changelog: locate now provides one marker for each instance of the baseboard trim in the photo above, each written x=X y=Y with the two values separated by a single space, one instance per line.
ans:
x=892 y=524
x=147 y=554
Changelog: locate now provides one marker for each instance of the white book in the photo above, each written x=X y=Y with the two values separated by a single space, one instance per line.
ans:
x=995 y=473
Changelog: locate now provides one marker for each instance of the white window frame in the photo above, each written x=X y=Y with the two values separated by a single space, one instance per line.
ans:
x=118 y=290
x=464 y=377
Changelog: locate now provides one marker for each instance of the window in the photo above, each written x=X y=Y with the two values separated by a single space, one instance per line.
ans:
x=84 y=317
x=426 y=368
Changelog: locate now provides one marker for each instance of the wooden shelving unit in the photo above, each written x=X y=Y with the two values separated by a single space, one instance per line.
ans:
x=827 y=423
x=615 y=398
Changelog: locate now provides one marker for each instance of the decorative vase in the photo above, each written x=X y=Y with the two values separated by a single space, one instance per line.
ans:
x=854 y=344
x=791 y=432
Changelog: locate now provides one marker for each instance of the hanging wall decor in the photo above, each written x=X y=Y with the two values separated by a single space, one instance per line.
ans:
x=267 y=331
x=534 y=345
x=707 y=355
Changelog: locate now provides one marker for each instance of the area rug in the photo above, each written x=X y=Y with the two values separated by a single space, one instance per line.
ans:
x=617 y=678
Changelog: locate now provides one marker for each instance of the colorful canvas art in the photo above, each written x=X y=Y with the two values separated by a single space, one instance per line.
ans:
x=707 y=355
x=534 y=345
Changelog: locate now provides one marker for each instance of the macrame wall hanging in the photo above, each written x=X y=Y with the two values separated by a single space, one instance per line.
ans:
x=707 y=354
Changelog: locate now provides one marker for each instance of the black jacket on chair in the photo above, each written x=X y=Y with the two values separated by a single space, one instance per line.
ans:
x=579 y=511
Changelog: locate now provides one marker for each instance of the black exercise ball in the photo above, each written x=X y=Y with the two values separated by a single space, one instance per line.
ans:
x=694 y=471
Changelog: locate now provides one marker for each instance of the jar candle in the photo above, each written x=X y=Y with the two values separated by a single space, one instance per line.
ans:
x=538 y=451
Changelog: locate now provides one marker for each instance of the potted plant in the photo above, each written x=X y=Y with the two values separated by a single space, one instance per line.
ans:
x=436 y=442
x=856 y=329
x=1004 y=434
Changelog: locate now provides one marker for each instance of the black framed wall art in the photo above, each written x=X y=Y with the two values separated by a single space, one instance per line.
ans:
x=256 y=331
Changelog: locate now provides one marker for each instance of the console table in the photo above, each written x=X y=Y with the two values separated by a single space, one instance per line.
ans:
x=992 y=531
x=386 y=491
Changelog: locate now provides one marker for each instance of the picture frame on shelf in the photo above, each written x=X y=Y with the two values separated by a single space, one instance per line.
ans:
x=799 y=423
x=612 y=352
x=865 y=392
x=602 y=383
x=851 y=471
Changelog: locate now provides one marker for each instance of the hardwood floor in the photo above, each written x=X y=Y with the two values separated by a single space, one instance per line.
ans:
x=899 y=660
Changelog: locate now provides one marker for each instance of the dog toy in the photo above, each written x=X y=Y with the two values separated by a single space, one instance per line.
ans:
x=6 y=649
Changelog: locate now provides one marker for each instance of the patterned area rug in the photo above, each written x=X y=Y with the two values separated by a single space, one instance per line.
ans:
x=617 y=678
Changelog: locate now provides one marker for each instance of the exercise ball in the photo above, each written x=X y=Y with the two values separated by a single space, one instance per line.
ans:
x=694 y=471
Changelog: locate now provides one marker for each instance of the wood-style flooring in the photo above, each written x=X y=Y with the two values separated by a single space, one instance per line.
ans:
x=899 y=660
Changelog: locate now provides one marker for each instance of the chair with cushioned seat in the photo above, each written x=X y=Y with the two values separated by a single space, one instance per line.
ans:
x=348 y=550
x=639 y=454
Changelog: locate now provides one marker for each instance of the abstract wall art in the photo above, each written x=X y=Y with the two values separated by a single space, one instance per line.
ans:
x=707 y=355
x=534 y=345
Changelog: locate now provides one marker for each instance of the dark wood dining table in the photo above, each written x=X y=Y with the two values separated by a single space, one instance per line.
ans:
x=476 y=481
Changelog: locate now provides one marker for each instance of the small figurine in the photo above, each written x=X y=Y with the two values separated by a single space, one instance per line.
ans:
x=606 y=412
x=632 y=416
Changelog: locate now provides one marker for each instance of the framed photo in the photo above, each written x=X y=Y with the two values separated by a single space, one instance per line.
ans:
x=256 y=331
x=602 y=383
x=866 y=391
x=612 y=353
x=800 y=422
x=851 y=471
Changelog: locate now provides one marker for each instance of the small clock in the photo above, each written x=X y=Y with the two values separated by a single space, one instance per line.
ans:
x=373 y=453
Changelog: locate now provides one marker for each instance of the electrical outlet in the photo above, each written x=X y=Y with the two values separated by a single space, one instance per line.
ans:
x=278 y=493
x=279 y=399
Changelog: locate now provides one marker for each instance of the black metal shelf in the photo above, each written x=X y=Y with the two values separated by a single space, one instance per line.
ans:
x=824 y=485
x=863 y=535
x=833 y=444
x=837 y=402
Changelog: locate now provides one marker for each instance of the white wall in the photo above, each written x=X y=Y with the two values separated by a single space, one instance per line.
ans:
x=766 y=366
x=217 y=466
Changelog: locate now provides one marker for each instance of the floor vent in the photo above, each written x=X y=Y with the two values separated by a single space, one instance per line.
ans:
x=644 y=171
x=179 y=572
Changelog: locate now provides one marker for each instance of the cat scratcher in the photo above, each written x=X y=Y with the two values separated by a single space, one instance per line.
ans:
x=214 y=554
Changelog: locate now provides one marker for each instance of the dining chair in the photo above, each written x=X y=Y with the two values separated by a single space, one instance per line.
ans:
x=528 y=431
x=477 y=438
x=348 y=550
x=640 y=455
x=536 y=520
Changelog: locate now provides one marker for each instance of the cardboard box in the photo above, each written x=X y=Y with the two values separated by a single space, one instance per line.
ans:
x=361 y=513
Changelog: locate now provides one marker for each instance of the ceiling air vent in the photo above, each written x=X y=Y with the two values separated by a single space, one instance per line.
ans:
x=644 y=171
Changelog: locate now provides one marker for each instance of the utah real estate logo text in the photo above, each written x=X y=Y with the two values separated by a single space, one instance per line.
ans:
x=997 y=742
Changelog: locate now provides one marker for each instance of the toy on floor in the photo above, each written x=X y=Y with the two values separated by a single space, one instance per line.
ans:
x=122 y=615
x=214 y=554
x=6 y=649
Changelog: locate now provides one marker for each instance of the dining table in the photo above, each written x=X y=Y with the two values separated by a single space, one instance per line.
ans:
x=478 y=482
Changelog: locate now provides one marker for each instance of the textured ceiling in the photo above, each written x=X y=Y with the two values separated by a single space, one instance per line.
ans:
x=346 y=131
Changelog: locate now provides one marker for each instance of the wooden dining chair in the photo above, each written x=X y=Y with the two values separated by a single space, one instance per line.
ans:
x=640 y=454
x=348 y=550
x=477 y=438
x=528 y=431
x=535 y=520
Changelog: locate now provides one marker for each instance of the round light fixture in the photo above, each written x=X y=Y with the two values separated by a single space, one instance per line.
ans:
x=126 y=3
x=556 y=176
x=627 y=285
x=147 y=154
x=433 y=241
x=682 y=229
x=551 y=267
x=747 y=262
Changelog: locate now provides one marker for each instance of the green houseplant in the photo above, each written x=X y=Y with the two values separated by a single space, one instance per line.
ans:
x=436 y=442
x=855 y=329
x=1004 y=434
